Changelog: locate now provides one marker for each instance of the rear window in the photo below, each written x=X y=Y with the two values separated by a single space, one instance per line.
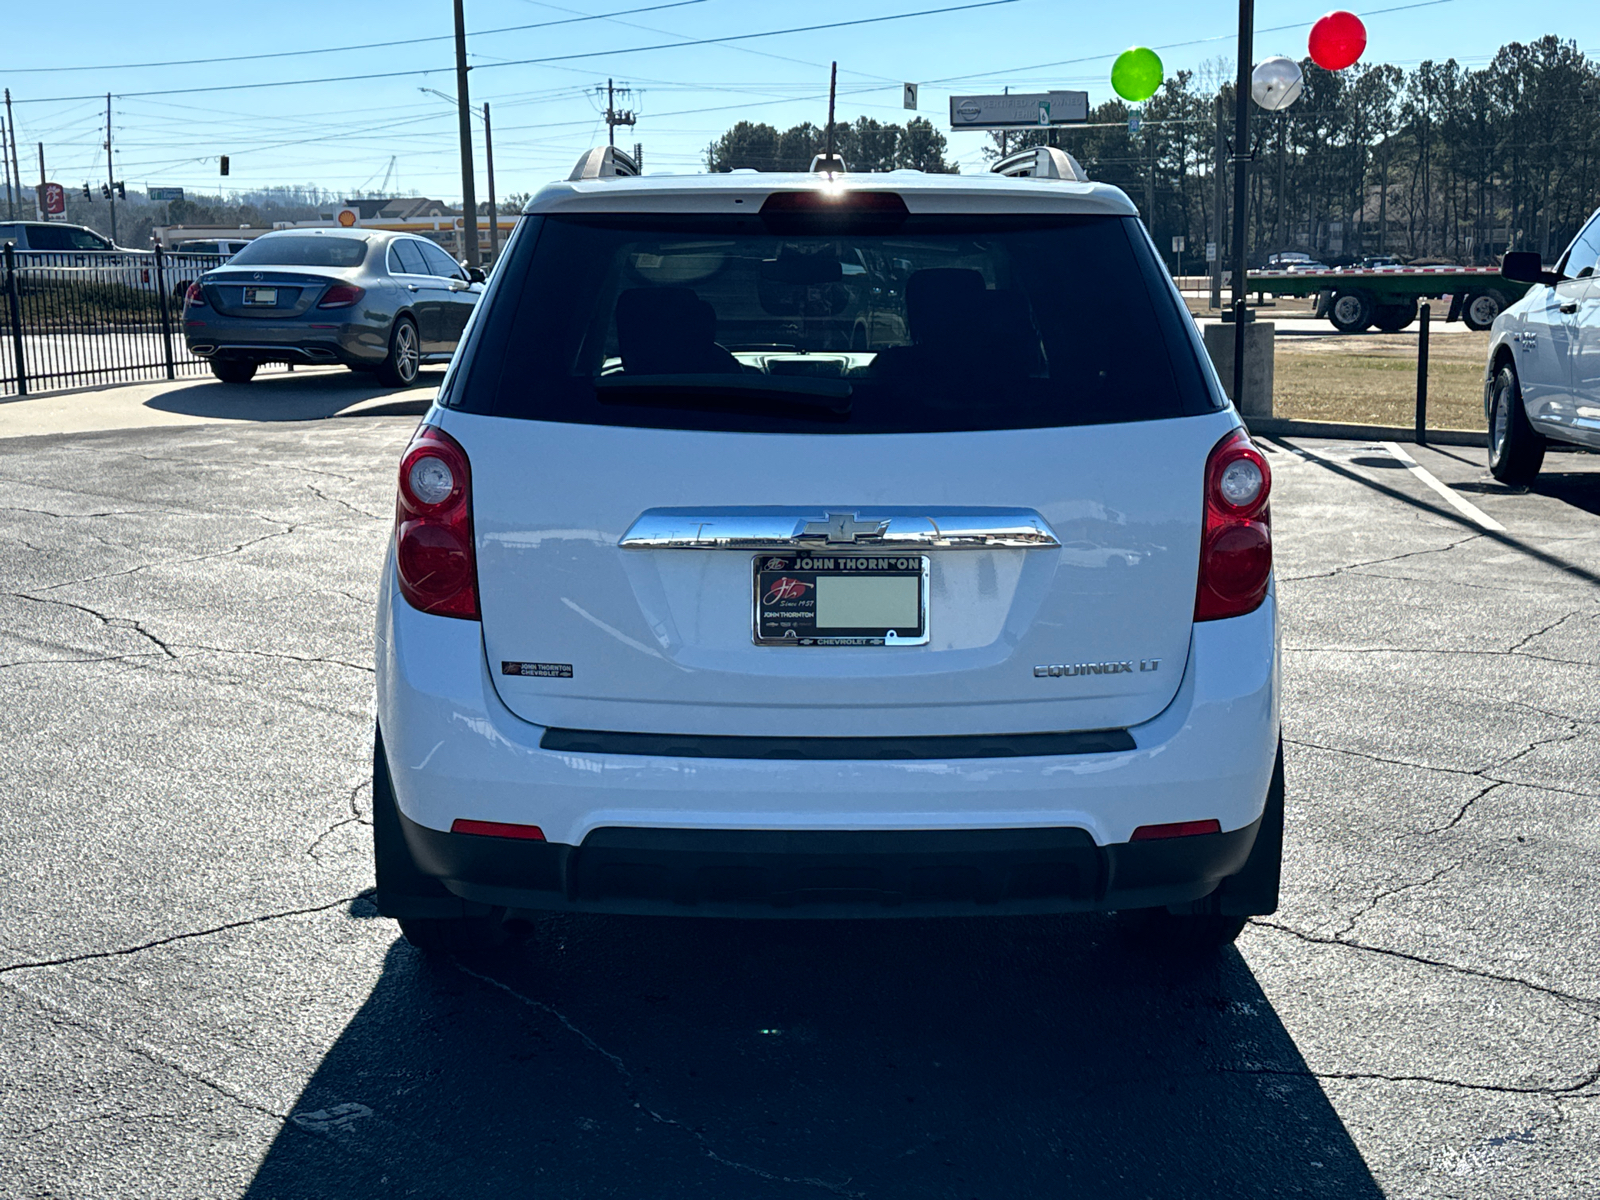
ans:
x=932 y=324
x=302 y=252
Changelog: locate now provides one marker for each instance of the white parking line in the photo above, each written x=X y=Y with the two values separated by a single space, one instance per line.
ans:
x=1470 y=511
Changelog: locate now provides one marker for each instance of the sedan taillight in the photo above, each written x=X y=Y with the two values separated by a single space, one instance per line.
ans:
x=341 y=295
x=433 y=527
x=194 y=297
x=1236 y=541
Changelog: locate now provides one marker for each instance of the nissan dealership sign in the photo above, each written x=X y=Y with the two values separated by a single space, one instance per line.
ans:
x=1032 y=110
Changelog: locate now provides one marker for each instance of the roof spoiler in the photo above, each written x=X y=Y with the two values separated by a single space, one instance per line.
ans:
x=1041 y=162
x=604 y=162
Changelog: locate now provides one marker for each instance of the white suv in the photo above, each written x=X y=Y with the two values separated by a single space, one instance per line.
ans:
x=812 y=545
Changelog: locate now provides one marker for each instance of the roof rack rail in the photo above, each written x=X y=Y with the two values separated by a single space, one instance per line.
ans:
x=1041 y=162
x=604 y=162
x=832 y=166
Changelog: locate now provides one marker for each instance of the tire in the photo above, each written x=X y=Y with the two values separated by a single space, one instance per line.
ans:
x=400 y=368
x=1516 y=448
x=1216 y=920
x=1392 y=318
x=448 y=927
x=233 y=370
x=1351 y=312
x=1479 y=309
x=460 y=935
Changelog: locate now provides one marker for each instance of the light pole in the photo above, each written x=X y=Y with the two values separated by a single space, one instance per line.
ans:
x=469 y=199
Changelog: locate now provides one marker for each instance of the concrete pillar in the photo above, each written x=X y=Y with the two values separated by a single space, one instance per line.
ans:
x=1258 y=356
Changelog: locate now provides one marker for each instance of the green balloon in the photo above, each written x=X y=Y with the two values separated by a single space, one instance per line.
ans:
x=1137 y=74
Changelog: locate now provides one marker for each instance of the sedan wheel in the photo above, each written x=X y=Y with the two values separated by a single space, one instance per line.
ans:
x=405 y=355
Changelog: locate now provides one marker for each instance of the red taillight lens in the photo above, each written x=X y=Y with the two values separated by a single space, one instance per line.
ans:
x=433 y=527
x=1236 y=542
x=1153 y=833
x=194 y=297
x=341 y=295
x=503 y=829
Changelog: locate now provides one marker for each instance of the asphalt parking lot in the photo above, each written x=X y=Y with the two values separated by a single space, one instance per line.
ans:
x=196 y=999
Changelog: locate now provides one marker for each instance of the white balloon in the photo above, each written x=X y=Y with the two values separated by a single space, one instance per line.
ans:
x=1276 y=83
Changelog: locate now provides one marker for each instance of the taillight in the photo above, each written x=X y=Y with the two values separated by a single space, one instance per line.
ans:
x=433 y=527
x=341 y=295
x=1236 y=542
x=194 y=297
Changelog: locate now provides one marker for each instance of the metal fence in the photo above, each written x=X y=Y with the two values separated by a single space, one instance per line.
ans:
x=82 y=318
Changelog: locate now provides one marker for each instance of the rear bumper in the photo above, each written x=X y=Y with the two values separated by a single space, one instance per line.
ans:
x=819 y=873
x=454 y=751
x=352 y=343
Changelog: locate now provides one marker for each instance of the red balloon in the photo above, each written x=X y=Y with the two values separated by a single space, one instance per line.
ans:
x=1337 y=40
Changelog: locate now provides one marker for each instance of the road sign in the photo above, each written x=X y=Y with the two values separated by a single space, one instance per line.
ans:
x=1019 y=110
x=911 y=96
x=1211 y=252
x=165 y=193
x=55 y=200
x=1134 y=122
x=1179 y=245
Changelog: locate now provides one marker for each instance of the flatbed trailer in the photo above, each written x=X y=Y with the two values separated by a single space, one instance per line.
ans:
x=1387 y=298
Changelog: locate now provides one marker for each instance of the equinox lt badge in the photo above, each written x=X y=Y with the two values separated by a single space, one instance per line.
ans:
x=1099 y=668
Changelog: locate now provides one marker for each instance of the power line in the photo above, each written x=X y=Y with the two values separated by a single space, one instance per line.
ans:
x=447 y=37
x=532 y=62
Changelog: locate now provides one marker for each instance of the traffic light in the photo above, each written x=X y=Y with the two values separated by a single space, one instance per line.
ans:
x=105 y=191
x=87 y=194
x=122 y=192
x=224 y=164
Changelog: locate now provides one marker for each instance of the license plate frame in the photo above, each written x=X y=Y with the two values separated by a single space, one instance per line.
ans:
x=261 y=297
x=786 y=616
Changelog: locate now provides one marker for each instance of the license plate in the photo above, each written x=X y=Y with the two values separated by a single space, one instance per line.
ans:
x=266 y=297
x=841 y=600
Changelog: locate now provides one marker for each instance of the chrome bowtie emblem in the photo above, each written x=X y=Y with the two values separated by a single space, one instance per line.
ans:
x=843 y=528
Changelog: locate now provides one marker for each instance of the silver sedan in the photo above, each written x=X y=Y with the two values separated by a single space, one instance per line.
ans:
x=372 y=300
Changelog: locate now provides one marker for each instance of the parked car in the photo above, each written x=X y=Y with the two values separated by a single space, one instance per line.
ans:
x=226 y=247
x=56 y=236
x=1542 y=380
x=689 y=610
x=374 y=301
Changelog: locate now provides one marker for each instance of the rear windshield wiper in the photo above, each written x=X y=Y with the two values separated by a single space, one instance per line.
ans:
x=719 y=391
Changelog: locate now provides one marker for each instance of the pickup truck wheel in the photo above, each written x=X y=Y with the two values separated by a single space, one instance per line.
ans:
x=1392 y=318
x=1516 y=448
x=1351 y=312
x=233 y=370
x=1480 y=309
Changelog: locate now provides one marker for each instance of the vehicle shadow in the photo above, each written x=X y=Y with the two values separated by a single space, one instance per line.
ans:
x=300 y=396
x=1579 y=489
x=674 y=1057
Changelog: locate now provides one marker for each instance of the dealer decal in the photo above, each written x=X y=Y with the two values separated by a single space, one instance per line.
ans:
x=537 y=670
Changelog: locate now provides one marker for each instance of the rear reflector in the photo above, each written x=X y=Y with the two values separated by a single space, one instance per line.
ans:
x=1150 y=833
x=528 y=833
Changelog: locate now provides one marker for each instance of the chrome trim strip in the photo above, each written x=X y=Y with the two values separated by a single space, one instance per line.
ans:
x=860 y=529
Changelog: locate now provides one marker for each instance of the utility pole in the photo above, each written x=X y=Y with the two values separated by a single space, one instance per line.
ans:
x=613 y=117
x=111 y=174
x=833 y=83
x=44 y=213
x=1150 y=184
x=16 y=171
x=494 y=211
x=1241 y=192
x=5 y=161
x=469 y=196
x=1220 y=171
x=1281 y=230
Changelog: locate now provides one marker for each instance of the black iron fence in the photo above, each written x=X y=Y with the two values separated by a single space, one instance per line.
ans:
x=82 y=318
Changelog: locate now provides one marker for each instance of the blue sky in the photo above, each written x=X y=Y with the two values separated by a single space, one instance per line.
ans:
x=341 y=135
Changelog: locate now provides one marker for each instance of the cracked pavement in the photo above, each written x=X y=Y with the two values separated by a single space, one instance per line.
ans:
x=198 y=1000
